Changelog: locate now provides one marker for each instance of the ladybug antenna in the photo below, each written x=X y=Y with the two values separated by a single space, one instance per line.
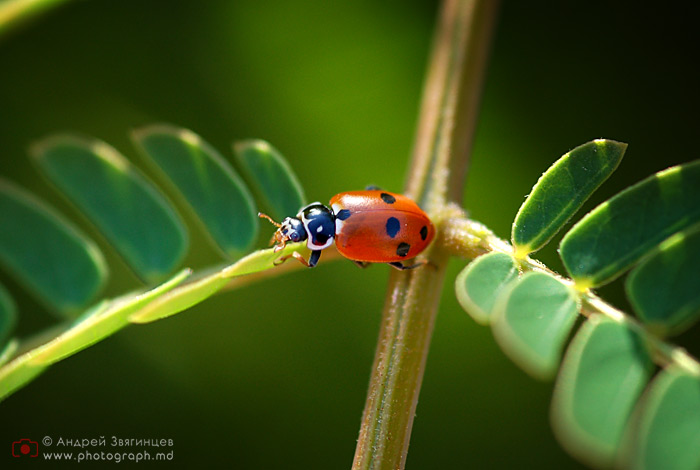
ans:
x=265 y=216
x=277 y=237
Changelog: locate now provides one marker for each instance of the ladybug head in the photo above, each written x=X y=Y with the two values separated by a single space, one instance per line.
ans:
x=290 y=230
x=314 y=222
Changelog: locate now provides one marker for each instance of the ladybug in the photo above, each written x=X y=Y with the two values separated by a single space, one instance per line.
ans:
x=370 y=226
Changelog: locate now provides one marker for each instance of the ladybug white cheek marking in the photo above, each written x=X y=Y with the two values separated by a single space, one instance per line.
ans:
x=338 y=222
x=311 y=243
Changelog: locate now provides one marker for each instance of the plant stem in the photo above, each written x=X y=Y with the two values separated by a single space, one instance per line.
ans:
x=441 y=154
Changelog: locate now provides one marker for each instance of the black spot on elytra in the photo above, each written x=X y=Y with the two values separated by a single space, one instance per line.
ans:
x=342 y=214
x=392 y=226
x=388 y=198
x=402 y=249
x=424 y=232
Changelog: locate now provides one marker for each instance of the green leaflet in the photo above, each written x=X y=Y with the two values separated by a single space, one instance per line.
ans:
x=618 y=232
x=95 y=324
x=604 y=371
x=18 y=373
x=178 y=300
x=533 y=321
x=139 y=221
x=665 y=288
x=273 y=179
x=668 y=432
x=215 y=193
x=480 y=284
x=8 y=316
x=110 y=316
x=561 y=191
x=36 y=243
x=8 y=350
x=134 y=217
x=194 y=292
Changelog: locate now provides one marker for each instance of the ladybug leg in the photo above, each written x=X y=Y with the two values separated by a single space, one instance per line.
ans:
x=294 y=255
x=313 y=259
x=281 y=260
x=401 y=267
x=362 y=264
x=372 y=187
x=299 y=258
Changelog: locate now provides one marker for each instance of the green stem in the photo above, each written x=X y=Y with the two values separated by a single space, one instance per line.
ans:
x=438 y=168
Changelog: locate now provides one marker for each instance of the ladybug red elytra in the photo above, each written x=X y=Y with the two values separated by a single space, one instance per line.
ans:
x=370 y=226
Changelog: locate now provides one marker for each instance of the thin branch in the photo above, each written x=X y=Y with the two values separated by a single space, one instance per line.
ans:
x=441 y=154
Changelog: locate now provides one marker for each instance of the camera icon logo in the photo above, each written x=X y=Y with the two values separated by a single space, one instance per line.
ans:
x=24 y=448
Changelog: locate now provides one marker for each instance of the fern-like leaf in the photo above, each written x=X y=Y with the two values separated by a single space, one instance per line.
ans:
x=596 y=406
x=65 y=269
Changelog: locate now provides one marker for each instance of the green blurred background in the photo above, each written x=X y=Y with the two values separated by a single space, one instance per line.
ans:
x=275 y=375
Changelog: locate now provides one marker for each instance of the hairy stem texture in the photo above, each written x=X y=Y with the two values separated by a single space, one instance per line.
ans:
x=438 y=169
